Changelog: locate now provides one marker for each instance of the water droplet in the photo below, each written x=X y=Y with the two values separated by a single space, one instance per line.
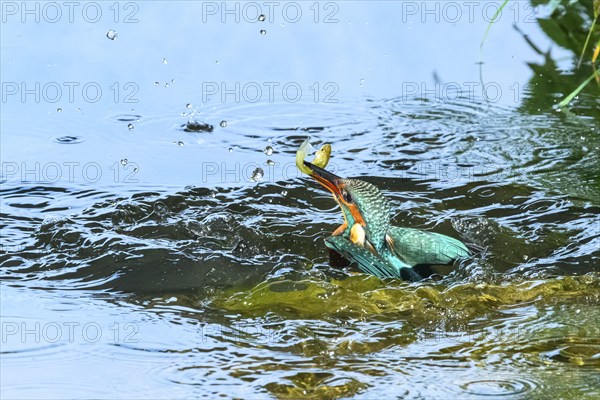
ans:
x=130 y=127
x=270 y=162
x=231 y=149
x=59 y=110
x=213 y=194
x=136 y=169
x=68 y=139
x=127 y=117
x=257 y=175
x=284 y=192
x=156 y=83
x=188 y=106
x=195 y=126
x=167 y=84
x=124 y=161
x=180 y=143
x=262 y=17
x=223 y=124
x=268 y=150
x=111 y=34
x=164 y=61
x=172 y=80
x=263 y=32
x=216 y=62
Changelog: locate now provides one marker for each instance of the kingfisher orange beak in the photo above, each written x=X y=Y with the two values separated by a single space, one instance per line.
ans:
x=325 y=178
x=333 y=183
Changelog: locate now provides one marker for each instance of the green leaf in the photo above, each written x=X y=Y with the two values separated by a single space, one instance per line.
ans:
x=498 y=12
x=575 y=92
x=561 y=33
x=587 y=39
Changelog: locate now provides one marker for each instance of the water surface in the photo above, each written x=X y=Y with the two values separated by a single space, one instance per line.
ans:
x=143 y=257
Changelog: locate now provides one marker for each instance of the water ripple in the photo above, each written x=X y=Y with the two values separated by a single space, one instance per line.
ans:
x=499 y=387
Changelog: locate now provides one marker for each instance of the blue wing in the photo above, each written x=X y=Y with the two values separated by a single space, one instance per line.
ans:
x=369 y=262
x=417 y=247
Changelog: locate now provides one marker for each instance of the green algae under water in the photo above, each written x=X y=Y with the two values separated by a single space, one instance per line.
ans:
x=531 y=338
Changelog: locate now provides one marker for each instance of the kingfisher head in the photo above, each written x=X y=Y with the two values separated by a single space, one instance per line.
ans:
x=366 y=210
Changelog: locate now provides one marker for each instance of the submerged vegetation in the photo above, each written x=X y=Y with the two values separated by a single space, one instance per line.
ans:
x=572 y=25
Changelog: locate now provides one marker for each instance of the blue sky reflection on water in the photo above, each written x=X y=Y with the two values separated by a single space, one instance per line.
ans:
x=386 y=44
x=169 y=54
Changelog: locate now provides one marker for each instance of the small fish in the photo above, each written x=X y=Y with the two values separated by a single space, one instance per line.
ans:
x=321 y=156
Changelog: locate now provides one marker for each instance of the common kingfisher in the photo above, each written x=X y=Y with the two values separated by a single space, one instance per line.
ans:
x=368 y=239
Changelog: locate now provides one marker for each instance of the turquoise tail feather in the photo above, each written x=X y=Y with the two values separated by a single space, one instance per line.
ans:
x=369 y=262
x=417 y=247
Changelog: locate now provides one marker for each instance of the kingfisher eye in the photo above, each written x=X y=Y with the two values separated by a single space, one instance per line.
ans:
x=347 y=197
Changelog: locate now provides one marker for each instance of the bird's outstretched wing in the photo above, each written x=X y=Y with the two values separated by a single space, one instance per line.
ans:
x=417 y=247
x=369 y=262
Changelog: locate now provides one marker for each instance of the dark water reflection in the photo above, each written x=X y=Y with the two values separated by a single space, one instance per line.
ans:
x=140 y=259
